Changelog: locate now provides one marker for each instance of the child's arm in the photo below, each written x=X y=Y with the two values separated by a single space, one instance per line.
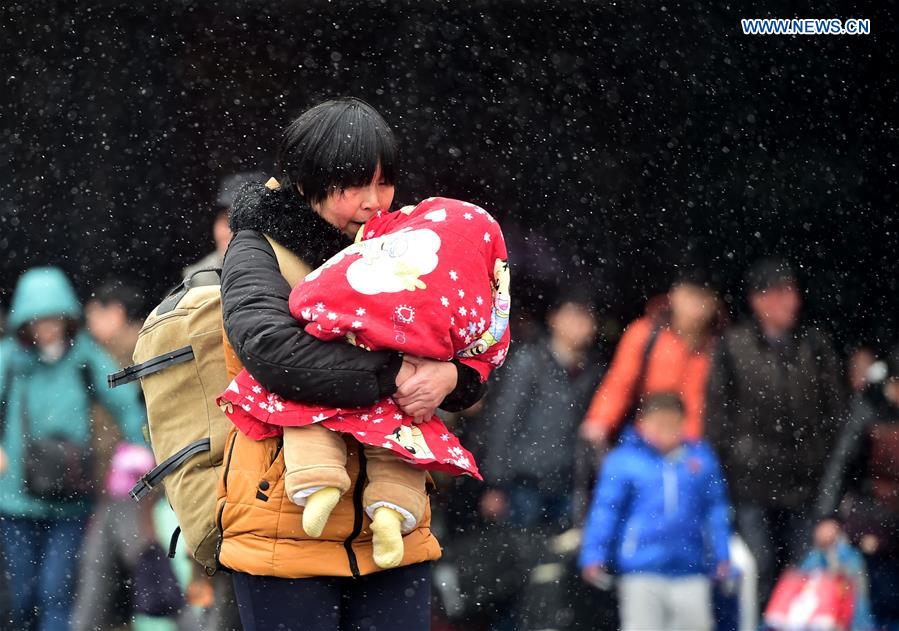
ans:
x=607 y=514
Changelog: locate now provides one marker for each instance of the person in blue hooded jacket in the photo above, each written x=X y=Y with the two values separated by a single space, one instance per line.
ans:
x=660 y=521
x=48 y=365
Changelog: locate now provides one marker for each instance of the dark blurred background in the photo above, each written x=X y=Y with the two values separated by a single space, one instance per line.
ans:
x=634 y=136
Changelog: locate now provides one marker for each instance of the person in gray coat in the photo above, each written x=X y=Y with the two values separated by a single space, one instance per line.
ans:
x=531 y=417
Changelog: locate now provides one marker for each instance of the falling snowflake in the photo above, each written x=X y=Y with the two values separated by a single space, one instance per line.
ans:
x=360 y=311
x=453 y=274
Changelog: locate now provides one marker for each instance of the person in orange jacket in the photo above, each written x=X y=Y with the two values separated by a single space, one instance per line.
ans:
x=679 y=335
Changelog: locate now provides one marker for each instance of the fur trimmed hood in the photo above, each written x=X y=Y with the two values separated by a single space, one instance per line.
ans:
x=288 y=219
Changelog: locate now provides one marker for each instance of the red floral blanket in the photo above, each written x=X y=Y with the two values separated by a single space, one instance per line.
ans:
x=431 y=281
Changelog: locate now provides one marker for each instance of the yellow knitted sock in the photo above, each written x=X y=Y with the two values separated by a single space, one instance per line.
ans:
x=318 y=508
x=387 y=537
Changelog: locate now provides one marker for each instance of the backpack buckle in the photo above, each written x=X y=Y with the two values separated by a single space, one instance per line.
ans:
x=140 y=490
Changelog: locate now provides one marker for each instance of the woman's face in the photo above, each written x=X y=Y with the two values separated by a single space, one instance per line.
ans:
x=349 y=208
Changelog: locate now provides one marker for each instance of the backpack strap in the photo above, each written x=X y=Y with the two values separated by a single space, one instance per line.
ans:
x=292 y=268
x=149 y=367
x=173 y=542
x=152 y=479
x=200 y=278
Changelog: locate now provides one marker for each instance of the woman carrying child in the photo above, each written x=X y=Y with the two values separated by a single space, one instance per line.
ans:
x=338 y=171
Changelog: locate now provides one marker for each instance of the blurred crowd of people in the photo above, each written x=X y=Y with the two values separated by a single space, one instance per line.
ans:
x=714 y=439
x=632 y=485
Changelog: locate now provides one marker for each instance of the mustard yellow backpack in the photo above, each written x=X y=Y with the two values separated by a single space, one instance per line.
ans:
x=180 y=362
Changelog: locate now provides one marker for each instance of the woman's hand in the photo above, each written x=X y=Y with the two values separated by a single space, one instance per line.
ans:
x=826 y=534
x=420 y=395
x=406 y=371
x=2 y=462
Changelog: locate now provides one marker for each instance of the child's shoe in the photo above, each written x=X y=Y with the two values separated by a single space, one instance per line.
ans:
x=387 y=537
x=318 y=508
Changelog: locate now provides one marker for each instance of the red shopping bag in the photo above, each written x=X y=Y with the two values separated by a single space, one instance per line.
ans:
x=820 y=601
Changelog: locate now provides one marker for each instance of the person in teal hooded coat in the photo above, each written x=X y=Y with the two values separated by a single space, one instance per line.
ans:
x=45 y=363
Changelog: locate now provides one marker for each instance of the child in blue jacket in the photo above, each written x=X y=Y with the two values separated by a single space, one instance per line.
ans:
x=660 y=520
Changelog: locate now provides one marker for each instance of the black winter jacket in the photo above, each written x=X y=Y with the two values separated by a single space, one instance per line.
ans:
x=269 y=341
x=772 y=412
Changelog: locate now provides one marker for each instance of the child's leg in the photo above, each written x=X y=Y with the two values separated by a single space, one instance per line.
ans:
x=641 y=602
x=690 y=603
x=394 y=484
x=315 y=473
x=395 y=499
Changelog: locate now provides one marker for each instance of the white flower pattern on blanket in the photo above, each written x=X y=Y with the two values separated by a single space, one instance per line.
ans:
x=389 y=264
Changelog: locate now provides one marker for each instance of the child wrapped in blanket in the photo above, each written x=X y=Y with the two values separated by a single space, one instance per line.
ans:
x=430 y=281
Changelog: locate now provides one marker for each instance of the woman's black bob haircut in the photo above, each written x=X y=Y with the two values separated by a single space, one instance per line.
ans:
x=335 y=145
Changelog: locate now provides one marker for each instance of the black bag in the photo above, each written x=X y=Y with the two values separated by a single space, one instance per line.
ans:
x=55 y=468
x=483 y=573
x=557 y=598
x=58 y=469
